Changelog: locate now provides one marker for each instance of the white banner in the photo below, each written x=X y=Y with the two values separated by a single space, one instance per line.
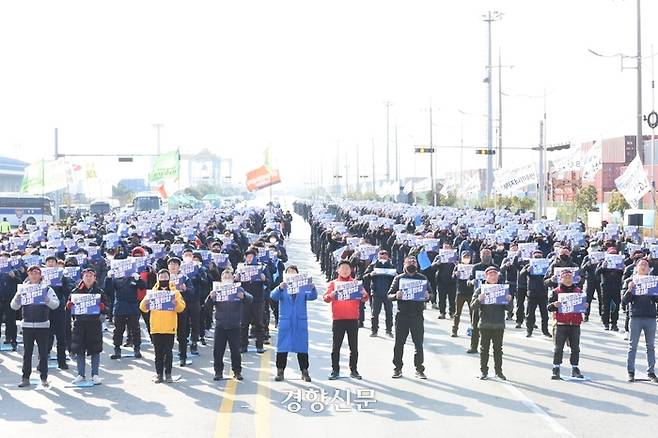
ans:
x=424 y=185
x=470 y=187
x=451 y=185
x=511 y=181
x=592 y=162
x=569 y=163
x=633 y=183
x=388 y=188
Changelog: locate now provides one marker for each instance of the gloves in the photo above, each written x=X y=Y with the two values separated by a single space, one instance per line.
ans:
x=136 y=276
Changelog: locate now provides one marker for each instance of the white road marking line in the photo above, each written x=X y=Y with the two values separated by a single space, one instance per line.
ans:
x=552 y=423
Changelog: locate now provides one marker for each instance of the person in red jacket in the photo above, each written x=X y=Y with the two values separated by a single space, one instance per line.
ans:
x=345 y=312
x=567 y=326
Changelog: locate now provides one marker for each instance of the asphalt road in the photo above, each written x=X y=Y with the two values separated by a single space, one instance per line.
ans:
x=452 y=402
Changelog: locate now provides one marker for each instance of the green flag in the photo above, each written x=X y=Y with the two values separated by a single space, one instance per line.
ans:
x=166 y=167
x=33 y=178
x=45 y=177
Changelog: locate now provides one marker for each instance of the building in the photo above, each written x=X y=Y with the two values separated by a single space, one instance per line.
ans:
x=616 y=154
x=11 y=174
x=205 y=168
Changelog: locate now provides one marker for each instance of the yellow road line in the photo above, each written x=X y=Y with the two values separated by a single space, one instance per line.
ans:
x=263 y=403
x=223 y=424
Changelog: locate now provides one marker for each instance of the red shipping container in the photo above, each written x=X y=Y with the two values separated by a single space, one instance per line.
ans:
x=614 y=150
x=610 y=172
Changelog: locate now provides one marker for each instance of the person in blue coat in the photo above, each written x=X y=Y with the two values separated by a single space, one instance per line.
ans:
x=293 y=326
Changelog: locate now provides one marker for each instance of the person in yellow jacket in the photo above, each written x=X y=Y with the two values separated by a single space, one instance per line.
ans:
x=5 y=226
x=163 y=302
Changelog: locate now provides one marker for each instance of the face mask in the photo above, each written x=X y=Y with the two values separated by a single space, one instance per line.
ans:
x=187 y=259
x=273 y=240
x=486 y=259
x=382 y=260
x=164 y=284
x=110 y=257
x=564 y=257
x=412 y=269
x=197 y=263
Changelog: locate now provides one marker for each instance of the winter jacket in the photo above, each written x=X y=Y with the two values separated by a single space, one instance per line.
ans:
x=256 y=288
x=126 y=294
x=343 y=309
x=564 y=318
x=610 y=278
x=9 y=284
x=378 y=277
x=408 y=308
x=87 y=333
x=641 y=306
x=228 y=314
x=549 y=281
x=492 y=316
x=535 y=286
x=164 y=321
x=36 y=315
x=293 y=319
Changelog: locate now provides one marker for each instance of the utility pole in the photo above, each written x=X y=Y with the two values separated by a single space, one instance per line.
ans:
x=489 y=18
x=157 y=127
x=432 y=161
x=373 y=166
x=347 y=173
x=397 y=156
x=461 y=157
x=56 y=144
x=388 y=157
x=337 y=173
x=541 y=173
x=358 y=173
x=500 y=111
x=640 y=143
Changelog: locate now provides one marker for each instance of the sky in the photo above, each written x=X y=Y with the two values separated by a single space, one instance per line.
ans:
x=310 y=79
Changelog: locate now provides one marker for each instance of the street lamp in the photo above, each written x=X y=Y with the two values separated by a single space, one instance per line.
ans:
x=490 y=18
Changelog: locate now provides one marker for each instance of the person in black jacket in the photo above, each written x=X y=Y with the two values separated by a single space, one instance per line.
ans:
x=377 y=280
x=521 y=289
x=537 y=291
x=186 y=289
x=446 y=285
x=642 y=311
x=629 y=271
x=58 y=317
x=409 y=318
x=563 y=260
x=464 y=293
x=474 y=281
x=126 y=311
x=87 y=334
x=254 y=309
x=491 y=325
x=509 y=270
x=228 y=319
x=9 y=282
x=588 y=272
x=611 y=291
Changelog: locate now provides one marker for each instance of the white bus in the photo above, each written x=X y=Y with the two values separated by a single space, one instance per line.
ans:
x=103 y=206
x=20 y=207
x=147 y=201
